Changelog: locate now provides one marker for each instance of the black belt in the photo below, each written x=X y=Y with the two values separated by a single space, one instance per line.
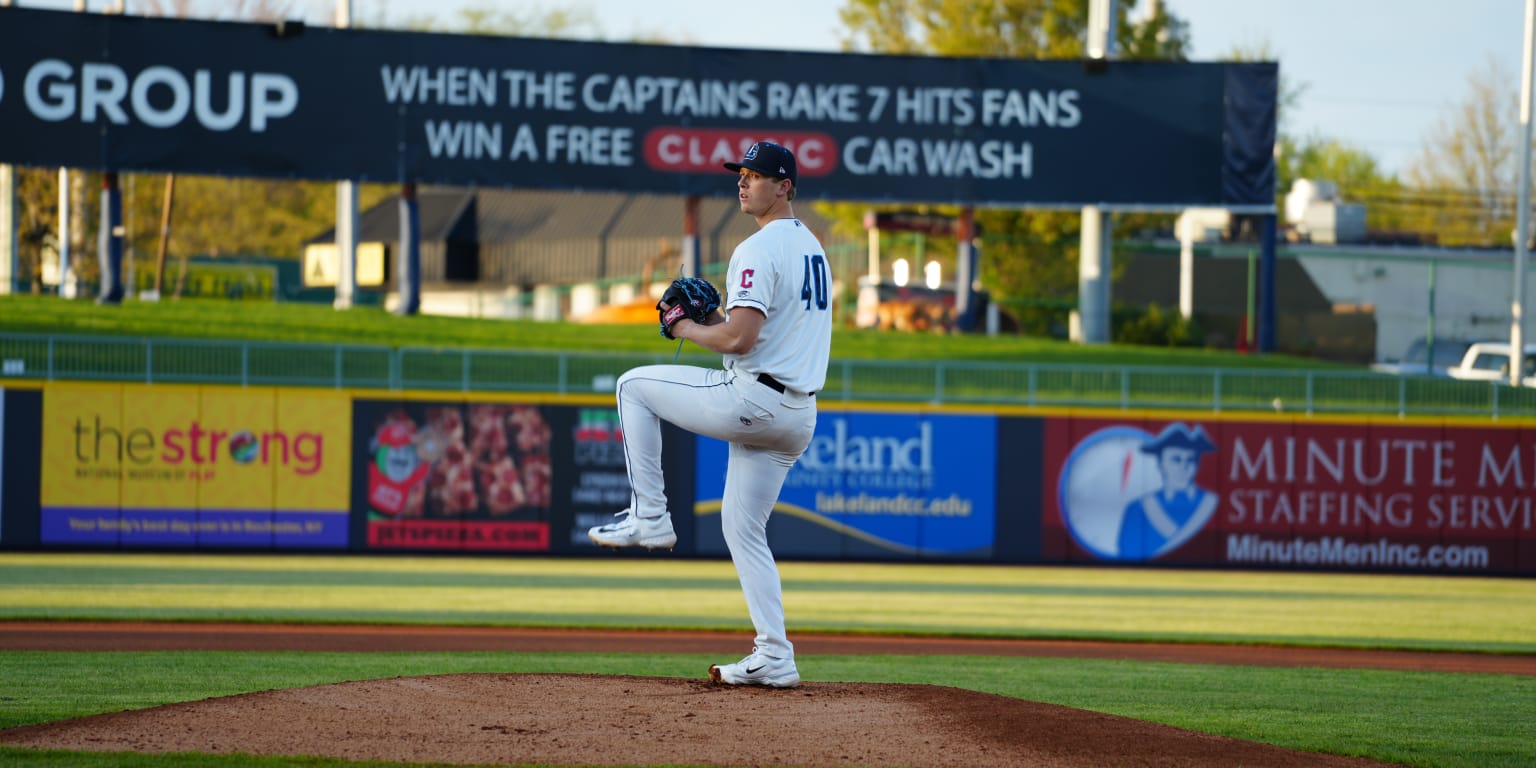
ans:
x=773 y=384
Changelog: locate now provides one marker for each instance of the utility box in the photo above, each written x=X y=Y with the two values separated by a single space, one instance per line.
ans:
x=1330 y=223
x=1315 y=213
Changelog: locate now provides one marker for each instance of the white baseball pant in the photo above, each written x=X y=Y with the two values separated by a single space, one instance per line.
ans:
x=766 y=431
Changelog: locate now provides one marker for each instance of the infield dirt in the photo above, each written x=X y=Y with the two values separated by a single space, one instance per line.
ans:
x=620 y=720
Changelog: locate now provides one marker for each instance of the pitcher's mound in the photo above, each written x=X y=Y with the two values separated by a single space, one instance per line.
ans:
x=608 y=720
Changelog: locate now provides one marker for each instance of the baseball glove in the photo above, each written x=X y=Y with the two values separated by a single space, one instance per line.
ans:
x=690 y=297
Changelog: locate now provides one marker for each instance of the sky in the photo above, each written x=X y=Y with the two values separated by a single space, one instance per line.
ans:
x=1377 y=75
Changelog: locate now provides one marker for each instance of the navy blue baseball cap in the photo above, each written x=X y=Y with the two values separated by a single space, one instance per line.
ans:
x=1180 y=436
x=769 y=159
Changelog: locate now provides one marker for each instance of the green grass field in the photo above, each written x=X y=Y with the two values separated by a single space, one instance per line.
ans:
x=1345 y=610
x=1414 y=718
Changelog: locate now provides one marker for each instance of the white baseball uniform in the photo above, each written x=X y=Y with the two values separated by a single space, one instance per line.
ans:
x=782 y=271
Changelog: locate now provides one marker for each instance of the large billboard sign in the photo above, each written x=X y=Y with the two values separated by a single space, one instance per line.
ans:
x=136 y=94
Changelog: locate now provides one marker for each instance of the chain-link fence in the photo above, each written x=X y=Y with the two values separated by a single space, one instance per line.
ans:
x=55 y=358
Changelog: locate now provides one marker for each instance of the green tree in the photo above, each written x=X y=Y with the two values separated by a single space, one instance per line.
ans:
x=211 y=216
x=244 y=10
x=37 y=221
x=573 y=21
x=220 y=217
x=1460 y=189
x=1017 y=29
x=1029 y=258
x=1464 y=180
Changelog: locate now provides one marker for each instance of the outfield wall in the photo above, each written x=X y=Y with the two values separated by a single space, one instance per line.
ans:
x=87 y=465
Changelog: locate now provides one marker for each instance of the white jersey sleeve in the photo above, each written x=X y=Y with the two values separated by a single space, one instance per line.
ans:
x=782 y=271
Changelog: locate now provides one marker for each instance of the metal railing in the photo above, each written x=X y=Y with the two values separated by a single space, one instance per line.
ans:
x=251 y=363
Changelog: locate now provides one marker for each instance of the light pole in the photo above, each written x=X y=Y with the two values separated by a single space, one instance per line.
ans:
x=346 y=210
x=1096 y=239
x=1523 y=214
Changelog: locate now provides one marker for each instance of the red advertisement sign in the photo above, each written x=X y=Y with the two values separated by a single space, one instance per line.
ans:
x=1302 y=493
x=456 y=475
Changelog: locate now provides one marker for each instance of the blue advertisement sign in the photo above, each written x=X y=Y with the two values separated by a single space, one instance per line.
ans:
x=129 y=93
x=870 y=483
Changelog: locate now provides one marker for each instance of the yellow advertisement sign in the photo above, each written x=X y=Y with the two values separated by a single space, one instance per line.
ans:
x=195 y=465
x=84 y=447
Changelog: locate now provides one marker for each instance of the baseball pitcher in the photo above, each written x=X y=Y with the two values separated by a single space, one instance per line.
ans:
x=775 y=336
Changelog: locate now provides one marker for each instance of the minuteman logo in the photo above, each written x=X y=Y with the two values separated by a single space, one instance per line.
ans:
x=1126 y=494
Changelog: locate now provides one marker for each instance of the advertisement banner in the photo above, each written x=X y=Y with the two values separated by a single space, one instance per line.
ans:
x=1368 y=494
x=451 y=475
x=167 y=466
x=875 y=485
x=600 y=487
x=246 y=99
x=187 y=466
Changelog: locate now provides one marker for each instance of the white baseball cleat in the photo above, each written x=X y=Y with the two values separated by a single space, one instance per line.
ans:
x=757 y=669
x=632 y=530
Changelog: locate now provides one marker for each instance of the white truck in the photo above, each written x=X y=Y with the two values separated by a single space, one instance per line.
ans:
x=1489 y=361
x=1447 y=355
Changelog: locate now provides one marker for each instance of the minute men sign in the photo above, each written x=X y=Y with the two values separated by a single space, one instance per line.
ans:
x=138 y=94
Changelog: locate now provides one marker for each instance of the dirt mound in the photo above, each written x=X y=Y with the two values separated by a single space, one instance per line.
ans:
x=613 y=720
